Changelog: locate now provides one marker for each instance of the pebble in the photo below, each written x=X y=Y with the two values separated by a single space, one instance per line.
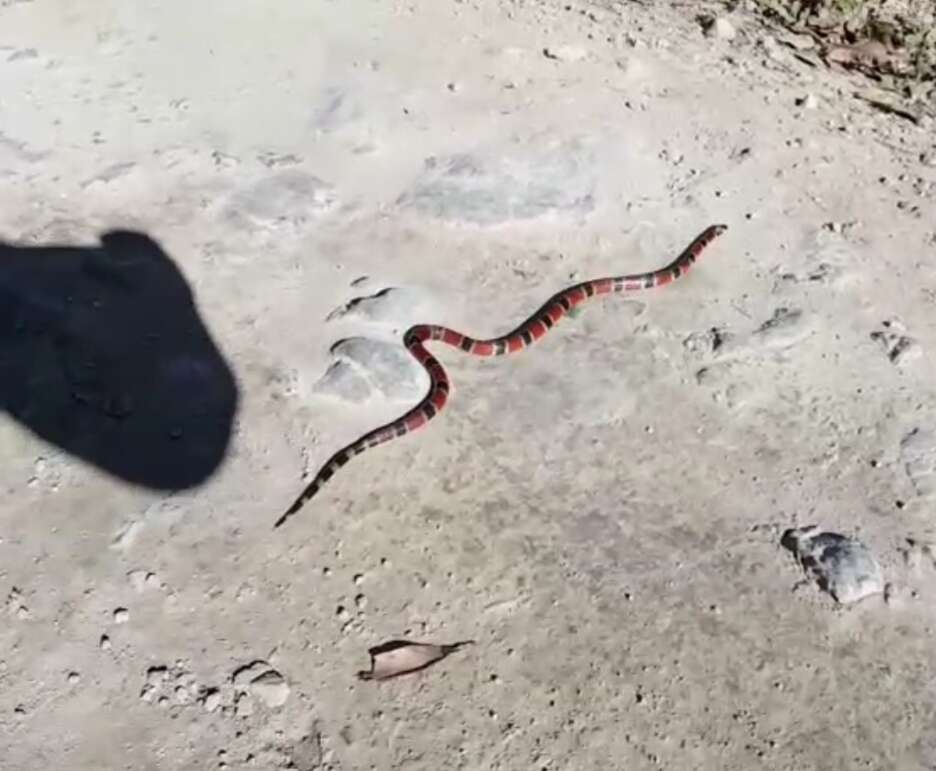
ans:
x=212 y=701
x=721 y=28
x=565 y=53
x=842 y=566
x=772 y=47
x=808 y=102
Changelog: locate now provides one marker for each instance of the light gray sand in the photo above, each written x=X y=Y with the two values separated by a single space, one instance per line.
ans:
x=602 y=513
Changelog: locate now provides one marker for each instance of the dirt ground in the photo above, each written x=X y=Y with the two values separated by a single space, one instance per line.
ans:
x=601 y=514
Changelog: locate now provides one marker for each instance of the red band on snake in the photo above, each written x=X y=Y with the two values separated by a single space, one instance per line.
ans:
x=526 y=334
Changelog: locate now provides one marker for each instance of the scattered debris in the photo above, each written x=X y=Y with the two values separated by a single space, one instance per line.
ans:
x=15 y=605
x=918 y=553
x=708 y=341
x=899 y=347
x=399 y=657
x=173 y=685
x=842 y=566
x=781 y=317
x=841 y=228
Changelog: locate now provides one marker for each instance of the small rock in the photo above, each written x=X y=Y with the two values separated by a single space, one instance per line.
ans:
x=899 y=347
x=270 y=688
x=212 y=700
x=157 y=675
x=73 y=677
x=719 y=27
x=844 y=567
x=808 y=102
x=148 y=693
x=565 y=53
x=105 y=643
x=772 y=47
x=121 y=616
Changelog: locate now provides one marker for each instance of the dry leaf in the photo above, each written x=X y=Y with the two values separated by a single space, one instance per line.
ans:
x=398 y=657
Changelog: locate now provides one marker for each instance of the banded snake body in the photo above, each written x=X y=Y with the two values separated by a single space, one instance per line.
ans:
x=531 y=330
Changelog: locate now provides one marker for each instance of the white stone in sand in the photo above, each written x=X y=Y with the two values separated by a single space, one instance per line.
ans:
x=843 y=566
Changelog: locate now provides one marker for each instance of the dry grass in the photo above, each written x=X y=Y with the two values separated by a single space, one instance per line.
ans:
x=906 y=28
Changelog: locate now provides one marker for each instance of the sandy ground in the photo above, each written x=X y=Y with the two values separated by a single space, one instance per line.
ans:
x=601 y=513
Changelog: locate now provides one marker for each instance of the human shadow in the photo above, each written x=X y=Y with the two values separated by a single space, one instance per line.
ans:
x=103 y=354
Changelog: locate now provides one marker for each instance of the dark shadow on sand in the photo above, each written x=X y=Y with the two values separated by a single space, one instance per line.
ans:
x=103 y=354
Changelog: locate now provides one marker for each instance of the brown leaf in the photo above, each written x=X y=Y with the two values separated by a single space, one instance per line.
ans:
x=398 y=657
